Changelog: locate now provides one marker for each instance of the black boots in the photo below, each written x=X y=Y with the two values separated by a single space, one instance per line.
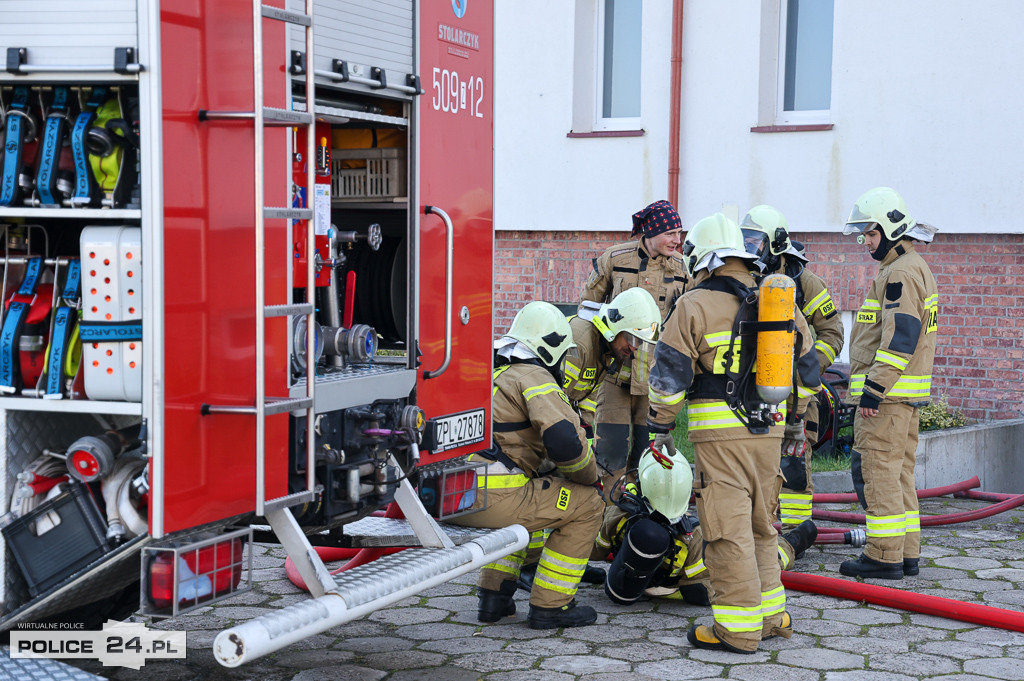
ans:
x=496 y=604
x=571 y=615
x=802 y=537
x=911 y=567
x=871 y=569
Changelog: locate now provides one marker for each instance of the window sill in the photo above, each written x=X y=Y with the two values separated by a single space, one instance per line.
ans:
x=606 y=133
x=807 y=127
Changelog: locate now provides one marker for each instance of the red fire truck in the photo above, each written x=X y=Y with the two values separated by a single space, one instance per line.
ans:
x=246 y=289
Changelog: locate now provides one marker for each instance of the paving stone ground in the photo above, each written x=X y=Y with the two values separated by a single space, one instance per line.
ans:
x=435 y=636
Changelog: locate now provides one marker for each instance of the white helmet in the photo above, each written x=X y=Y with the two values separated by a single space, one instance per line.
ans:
x=633 y=311
x=715 y=235
x=666 y=482
x=541 y=327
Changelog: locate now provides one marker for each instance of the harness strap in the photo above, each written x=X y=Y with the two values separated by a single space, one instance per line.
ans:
x=86 y=190
x=17 y=118
x=21 y=302
x=63 y=339
x=54 y=134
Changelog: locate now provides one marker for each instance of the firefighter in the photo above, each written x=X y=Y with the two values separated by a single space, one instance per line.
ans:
x=705 y=356
x=653 y=263
x=766 y=235
x=605 y=337
x=891 y=352
x=657 y=546
x=533 y=422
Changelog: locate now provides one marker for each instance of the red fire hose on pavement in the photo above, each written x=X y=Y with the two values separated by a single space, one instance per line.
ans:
x=851 y=497
x=984 y=615
x=355 y=557
x=1012 y=502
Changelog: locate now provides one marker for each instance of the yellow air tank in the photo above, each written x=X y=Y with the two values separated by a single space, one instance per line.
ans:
x=774 y=379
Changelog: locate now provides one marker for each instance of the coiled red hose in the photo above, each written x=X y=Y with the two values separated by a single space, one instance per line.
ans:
x=851 y=497
x=905 y=600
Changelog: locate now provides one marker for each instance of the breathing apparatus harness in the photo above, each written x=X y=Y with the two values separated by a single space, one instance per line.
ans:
x=737 y=382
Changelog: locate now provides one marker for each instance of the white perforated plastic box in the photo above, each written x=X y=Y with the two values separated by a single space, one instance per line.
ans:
x=112 y=312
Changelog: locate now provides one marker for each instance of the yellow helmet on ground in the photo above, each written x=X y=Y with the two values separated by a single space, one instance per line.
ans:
x=666 y=482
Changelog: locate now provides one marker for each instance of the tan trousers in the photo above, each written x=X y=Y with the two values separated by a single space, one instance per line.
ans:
x=572 y=512
x=882 y=463
x=737 y=483
x=619 y=412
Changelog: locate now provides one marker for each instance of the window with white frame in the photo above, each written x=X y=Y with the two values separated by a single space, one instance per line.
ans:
x=618 y=65
x=805 y=62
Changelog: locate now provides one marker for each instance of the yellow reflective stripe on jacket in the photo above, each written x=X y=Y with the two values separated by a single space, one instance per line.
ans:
x=912 y=386
x=579 y=465
x=868 y=312
x=559 y=572
x=738 y=618
x=656 y=397
x=816 y=302
x=505 y=481
x=913 y=523
x=719 y=338
x=825 y=349
x=804 y=391
x=709 y=415
x=773 y=602
x=494 y=377
x=891 y=359
x=870 y=304
x=857 y=384
x=589 y=404
x=886 y=525
x=542 y=389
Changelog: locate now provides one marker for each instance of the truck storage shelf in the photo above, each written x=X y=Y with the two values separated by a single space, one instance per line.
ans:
x=71 y=406
x=357 y=384
x=93 y=213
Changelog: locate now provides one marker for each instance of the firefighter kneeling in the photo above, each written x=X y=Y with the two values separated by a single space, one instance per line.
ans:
x=657 y=547
x=533 y=422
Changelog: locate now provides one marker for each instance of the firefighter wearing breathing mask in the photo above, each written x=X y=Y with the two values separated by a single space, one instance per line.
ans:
x=652 y=263
x=766 y=235
x=892 y=348
x=534 y=423
x=656 y=546
x=705 y=356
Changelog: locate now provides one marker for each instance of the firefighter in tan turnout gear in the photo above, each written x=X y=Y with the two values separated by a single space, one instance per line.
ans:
x=891 y=352
x=705 y=356
x=766 y=235
x=533 y=421
x=652 y=263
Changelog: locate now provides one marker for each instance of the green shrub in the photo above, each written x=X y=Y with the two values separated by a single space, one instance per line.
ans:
x=937 y=415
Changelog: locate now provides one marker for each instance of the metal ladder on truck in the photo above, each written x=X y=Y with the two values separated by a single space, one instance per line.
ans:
x=389 y=579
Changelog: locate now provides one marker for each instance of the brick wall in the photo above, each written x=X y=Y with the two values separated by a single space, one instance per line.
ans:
x=979 y=362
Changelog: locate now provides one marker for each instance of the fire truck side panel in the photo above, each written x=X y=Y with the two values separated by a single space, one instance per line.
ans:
x=456 y=175
x=210 y=280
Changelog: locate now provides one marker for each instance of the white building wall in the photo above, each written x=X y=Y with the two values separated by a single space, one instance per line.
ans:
x=543 y=179
x=926 y=98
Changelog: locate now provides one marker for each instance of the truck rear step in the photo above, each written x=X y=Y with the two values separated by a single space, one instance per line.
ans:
x=363 y=590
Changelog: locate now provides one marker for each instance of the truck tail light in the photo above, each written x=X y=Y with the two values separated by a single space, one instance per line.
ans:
x=199 y=574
